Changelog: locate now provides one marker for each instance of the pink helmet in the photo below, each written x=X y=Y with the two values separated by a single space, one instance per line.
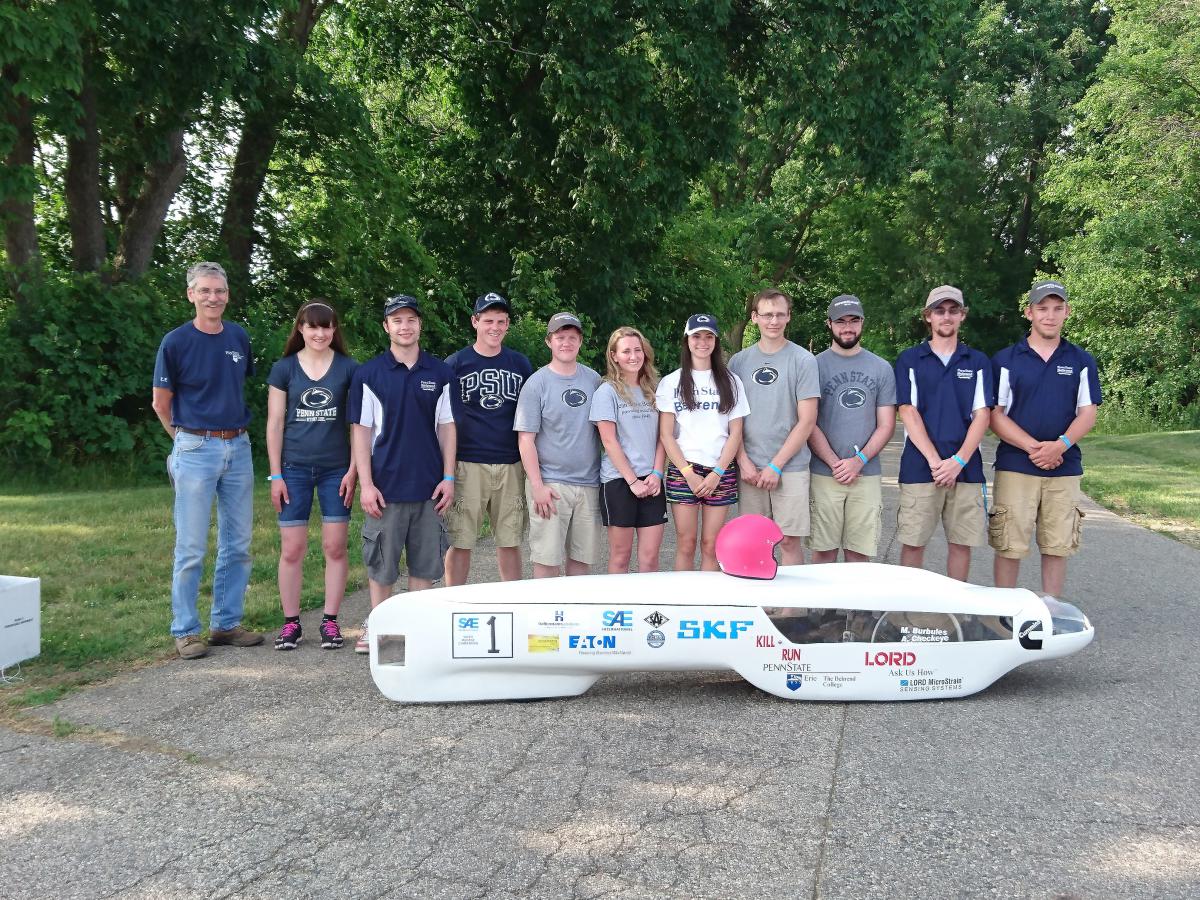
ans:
x=746 y=547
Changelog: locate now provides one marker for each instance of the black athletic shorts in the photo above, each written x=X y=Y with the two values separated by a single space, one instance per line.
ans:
x=619 y=508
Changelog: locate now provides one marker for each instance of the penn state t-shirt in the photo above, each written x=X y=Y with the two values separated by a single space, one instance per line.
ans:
x=315 y=432
x=206 y=373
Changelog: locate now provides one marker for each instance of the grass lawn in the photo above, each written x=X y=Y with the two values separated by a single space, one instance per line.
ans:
x=104 y=557
x=1153 y=479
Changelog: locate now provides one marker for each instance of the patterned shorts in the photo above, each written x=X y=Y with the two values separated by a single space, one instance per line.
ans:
x=678 y=491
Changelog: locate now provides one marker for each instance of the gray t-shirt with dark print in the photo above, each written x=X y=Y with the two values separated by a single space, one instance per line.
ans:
x=852 y=388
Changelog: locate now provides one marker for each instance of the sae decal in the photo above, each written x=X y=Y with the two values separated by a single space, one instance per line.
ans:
x=794 y=680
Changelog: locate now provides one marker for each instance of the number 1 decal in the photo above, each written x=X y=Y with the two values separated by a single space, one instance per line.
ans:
x=475 y=635
x=492 y=626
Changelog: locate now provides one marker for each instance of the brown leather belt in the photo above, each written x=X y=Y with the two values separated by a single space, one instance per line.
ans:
x=225 y=434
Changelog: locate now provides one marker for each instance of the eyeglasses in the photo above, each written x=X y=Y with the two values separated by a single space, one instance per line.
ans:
x=773 y=317
x=211 y=292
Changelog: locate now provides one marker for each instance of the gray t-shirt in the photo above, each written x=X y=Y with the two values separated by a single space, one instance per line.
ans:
x=637 y=428
x=315 y=432
x=556 y=408
x=852 y=388
x=775 y=383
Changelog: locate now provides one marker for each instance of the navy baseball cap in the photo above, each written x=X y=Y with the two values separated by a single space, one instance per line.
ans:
x=399 y=302
x=490 y=299
x=701 y=322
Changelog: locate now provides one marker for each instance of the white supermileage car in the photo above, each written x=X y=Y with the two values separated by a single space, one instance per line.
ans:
x=854 y=631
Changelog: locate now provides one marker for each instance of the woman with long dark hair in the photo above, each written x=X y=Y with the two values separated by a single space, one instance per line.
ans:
x=308 y=447
x=701 y=406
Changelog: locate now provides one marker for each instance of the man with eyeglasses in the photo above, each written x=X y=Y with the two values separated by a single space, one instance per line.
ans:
x=945 y=393
x=199 y=376
x=782 y=387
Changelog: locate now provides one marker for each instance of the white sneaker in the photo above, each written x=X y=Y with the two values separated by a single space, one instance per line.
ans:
x=362 y=645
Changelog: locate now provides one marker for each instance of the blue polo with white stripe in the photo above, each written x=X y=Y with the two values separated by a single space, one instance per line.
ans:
x=399 y=405
x=946 y=395
x=1043 y=397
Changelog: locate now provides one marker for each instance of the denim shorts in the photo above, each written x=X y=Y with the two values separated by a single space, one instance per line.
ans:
x=301 y=481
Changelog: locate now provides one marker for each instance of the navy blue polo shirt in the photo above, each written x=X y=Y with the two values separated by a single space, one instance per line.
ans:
x=399 y=405
x=1043 y=397
x=206 y=373
x=946 y=395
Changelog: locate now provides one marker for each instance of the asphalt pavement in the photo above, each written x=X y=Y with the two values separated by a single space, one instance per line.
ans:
x=254 y=773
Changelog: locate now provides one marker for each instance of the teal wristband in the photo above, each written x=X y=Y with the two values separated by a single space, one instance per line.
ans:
x=958 y=459
x=774 y=468
x=719 y=471
x=447 y=478
x=862 y=456
x=1066 y=440
x=274 y=477
x=656 y=472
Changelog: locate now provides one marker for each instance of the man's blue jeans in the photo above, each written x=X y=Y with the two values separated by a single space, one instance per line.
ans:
x=203 y=468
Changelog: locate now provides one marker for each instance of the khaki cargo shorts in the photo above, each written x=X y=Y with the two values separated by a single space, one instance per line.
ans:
x=844 y=516
x=495 y=489
x=1025 y=501
x=958 y=507
x=575 y=526
x=788 y=504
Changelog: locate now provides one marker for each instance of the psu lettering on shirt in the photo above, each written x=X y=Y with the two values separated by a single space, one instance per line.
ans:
x=490 y=388
x=700 y=404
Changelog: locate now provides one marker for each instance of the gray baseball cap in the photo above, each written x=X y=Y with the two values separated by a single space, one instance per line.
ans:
x=944 y=292
x=1044 y=289
x=563 y=320
x=845 y=305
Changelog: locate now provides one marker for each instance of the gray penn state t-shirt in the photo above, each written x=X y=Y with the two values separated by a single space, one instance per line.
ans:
x=852 y=387
x=637 y=428
x=774 y=383
x=556 y=409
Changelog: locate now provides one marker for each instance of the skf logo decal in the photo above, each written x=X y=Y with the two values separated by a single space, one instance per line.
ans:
x=574 y=397
x=852 y=398
x=618 y=618
x=716 y=630
x=1066 y=370
x=965 y=374
x=316 y=398
x=766 y=375
x=1030 y=635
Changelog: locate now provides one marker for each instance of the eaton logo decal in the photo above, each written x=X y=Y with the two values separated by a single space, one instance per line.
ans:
x=714 y=629
x=592 y=641
x=621 y=618
x=468 y=623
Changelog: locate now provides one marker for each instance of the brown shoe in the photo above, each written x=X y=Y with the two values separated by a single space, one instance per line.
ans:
x=191 y=646
x=237 y=636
